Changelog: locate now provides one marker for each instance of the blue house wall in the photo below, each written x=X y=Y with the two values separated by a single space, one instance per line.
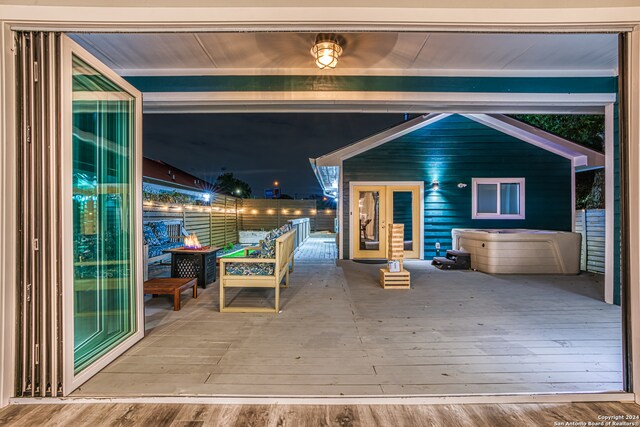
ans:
x=455 y=150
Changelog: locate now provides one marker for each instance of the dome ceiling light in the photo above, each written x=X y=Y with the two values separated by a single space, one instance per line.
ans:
x=326 y=51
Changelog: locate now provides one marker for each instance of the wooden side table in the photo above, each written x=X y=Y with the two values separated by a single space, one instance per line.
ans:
x=171 y=286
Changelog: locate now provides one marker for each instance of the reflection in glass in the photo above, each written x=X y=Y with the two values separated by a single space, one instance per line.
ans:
x=403 y=214
x=487 y=198
x=509 y=198
x=369 y=207
x=104 y=280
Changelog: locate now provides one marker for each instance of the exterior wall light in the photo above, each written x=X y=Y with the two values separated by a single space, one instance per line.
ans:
x=435 y=185
x=462 y=185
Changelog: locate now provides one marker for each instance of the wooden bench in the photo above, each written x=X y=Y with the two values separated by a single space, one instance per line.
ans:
x=283 y=266
x=171 y=286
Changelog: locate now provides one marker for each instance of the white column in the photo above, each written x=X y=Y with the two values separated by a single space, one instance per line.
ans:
x=633 y=127
x=609 y=204
x=8 y=232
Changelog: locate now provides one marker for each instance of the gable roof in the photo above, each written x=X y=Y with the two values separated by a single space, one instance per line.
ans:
x=159 y=172
x=326 y=167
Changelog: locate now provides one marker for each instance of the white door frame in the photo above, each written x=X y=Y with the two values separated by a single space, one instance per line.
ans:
x=392 y=184
x=549 y=19
x=71 y=380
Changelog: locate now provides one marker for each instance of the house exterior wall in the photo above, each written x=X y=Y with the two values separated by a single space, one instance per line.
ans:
x=455 y=150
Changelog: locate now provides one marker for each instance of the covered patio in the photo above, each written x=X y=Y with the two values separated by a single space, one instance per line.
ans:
x=339 y=333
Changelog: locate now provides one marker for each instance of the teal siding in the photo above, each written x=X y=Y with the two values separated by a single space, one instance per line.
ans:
x=457 y=149
x=374 y=83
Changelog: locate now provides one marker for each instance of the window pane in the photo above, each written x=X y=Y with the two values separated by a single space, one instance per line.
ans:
x=103 y=188
x=369 y=202
x=510 y=199
x=403 y=214
x=487 y=198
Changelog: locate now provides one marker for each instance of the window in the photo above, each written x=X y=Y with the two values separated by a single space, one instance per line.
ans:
x=498 y=198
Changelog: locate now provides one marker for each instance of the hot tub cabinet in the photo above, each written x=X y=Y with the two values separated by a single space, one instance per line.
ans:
x=520 y=251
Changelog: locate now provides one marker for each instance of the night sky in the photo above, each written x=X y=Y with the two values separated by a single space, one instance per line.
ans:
x=257 y=148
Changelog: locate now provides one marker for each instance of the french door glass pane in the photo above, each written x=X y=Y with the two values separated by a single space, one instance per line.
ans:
x=369 y=207
x=487 y=198
x=103 y=191
x=510 y=198
x=403 y=214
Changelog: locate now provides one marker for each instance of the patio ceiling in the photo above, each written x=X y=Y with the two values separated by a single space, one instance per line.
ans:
x=365 y=54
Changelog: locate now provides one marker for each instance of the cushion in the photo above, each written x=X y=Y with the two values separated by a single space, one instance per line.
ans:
x=250 y=268
x=268 y=248
x=157 y=249
x=149 y=236
x=160 y=228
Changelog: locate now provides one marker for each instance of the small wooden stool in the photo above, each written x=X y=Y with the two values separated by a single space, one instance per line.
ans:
x=396 y=280
x=171 y=286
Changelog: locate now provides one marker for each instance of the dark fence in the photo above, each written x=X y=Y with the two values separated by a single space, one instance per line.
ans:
x=591 y=224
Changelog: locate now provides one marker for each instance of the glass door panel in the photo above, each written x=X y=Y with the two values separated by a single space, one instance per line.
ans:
x=404 y=208
x=103 y=307
x=104 y=286
x=369 y=222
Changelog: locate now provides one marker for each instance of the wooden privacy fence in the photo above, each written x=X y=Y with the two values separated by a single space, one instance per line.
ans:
x=591 y=224
x=215 y=225
x=267 y=214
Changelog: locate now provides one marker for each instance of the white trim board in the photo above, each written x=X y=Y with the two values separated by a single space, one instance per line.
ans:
x=609 y=204
x=342 y=400
x=581 y=155
x=458 y=102
x=8 y=220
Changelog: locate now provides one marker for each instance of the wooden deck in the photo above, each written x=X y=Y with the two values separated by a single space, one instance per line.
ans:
x=174 y=415
x=340 y=333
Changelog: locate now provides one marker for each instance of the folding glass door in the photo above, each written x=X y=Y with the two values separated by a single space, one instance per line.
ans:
x=102 y=200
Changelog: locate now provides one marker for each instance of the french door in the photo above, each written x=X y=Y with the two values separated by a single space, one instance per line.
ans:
x=81 y=302
x=373 y=207
x=101 y=161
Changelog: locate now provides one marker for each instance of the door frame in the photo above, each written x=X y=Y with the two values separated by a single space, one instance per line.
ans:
x=382 y=216
x=71 y=380
x=113 y=19
x=419 y=184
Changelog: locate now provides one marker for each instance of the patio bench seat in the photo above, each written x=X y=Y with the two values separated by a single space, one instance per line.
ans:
x=156 y=250
x=264 y=269
x=250 y=269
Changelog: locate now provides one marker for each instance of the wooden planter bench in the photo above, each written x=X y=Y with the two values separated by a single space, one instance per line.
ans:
x=283 y=265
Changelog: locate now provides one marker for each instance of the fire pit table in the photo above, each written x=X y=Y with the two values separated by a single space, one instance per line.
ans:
x=190 y=262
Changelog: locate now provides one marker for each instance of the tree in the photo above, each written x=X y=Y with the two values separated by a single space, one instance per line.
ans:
x=226 y=183
x=586 y=130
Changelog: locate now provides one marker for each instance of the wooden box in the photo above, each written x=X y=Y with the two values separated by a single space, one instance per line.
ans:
x=399 y=280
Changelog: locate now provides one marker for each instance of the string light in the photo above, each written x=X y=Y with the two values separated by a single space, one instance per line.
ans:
x=180 y=208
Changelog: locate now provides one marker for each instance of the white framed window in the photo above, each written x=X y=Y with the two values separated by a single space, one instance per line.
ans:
x=497 y=198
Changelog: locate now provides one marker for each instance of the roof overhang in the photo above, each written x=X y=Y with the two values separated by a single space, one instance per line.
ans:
x=327 y=167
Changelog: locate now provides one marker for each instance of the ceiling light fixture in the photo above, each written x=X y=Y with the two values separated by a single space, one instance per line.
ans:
x=326 y=51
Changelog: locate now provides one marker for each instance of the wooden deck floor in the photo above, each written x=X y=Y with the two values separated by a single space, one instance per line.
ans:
x=174 y=415
x=339 y=333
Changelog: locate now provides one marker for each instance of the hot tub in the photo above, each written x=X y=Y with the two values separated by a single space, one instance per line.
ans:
x=520 y=251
